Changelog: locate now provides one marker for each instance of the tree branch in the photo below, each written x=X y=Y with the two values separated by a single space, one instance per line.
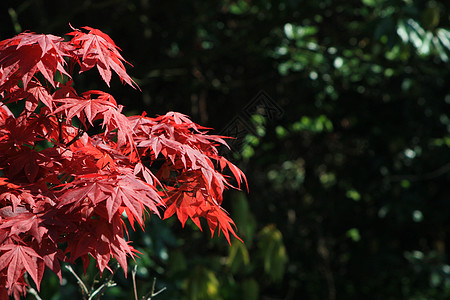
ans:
x=80 y=282
x=30 y=289
x=152 y=293
x=133 y=277
x=422 y=177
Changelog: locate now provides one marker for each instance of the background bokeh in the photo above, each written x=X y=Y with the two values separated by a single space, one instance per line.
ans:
x=340 y=110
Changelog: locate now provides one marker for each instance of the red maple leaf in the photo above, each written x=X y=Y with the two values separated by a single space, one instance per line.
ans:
x=95 y=48
x=85 y=107
x=65 y=193
x=26 y=222
x=18 y=259
x=102 y=240
x=114 y=191
x=44 y=53
x=95 y=105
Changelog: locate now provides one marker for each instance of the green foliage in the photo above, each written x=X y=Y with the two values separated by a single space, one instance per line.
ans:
x=202 y=283
x=349 y=193
x=238 y=257
x=273 y=252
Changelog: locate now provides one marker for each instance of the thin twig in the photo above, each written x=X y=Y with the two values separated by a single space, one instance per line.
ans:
x=30 y=289
x=75 y=138
x=80 y=282
x=153 y=288
x=95 y=281
x=149 y=295
x=60 y=137
x=158 y=292
x=107 y=284
x=33 y=292
x=152 y=293
x=422 y=177
x=133 y=277
x=98 y=292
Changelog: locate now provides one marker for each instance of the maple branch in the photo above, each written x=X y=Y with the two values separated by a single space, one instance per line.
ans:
x=75 y=138
x=33 y=292
x=80 y=282
x=98 y=292
x=107 y=284
x=422 y=177
x=104 y=167
x=133 y=277
x=152 y=293
x=30 y=289
x=60 y=138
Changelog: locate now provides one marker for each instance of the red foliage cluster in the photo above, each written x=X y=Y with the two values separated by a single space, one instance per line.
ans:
x=64 y=194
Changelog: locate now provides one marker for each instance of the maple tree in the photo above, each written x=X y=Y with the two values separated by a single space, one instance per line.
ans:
x=65 y=193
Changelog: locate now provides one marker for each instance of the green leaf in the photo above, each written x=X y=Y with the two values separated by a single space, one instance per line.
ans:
x=354 y=234
x=250 y=289
x=202 y=284
x=273 y=252
x=238 y=256
x=243 y=217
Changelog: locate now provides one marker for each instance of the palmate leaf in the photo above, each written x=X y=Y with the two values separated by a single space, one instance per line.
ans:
x=34 y=94
x=96 y=48
x=102 y=240
x=25 y=222
x=95 y=105
x=193 y=200
x=18 y=259
x=114 y=191
x=196 y=191
x=29 y=53
x=64 y=194
x=85 y=108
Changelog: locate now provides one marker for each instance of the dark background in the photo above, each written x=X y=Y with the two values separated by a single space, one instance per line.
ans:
x=340 y=114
